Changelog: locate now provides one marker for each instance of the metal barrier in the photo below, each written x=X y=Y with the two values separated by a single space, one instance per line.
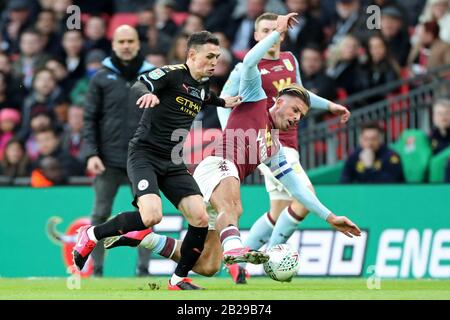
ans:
x=327 y=142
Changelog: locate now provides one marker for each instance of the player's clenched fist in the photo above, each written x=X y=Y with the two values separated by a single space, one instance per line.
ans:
x=148 y=100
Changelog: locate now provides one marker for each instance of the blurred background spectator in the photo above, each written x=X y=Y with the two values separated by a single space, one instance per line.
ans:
x=44 y=95
x=49 y=172
x=438 y=10
x=440 y=134
x=49 y=144
x=9 y=121
x=42 y=64
x=314 y=77
x=15 y=162
x=430 y=51
x=395 y=33
x=373 y=161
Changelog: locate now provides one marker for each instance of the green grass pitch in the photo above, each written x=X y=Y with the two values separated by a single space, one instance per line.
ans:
x=258 y=288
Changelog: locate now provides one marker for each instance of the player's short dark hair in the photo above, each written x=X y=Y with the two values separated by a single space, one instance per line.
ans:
x=295 y=90
x=266 y=16
x=372 y=125
x=201 y=38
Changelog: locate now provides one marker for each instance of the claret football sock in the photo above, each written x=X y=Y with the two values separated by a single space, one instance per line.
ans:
x=230 y=237
x=162 y=245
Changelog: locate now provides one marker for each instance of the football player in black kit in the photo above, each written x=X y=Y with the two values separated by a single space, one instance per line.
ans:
x=173 y=96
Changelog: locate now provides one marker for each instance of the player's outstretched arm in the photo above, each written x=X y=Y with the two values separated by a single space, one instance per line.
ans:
x=283 y=171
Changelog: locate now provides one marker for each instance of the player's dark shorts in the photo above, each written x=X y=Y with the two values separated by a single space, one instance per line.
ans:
x=149 y=174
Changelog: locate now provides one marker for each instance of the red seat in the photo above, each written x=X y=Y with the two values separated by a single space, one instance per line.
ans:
x=179 y=17
x=120 y=19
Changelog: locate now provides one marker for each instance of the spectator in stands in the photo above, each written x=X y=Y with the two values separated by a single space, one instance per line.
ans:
x=447 y=172
x=60 y=9
x=430 y=51
x=345 y=68
x=31 y=57
x=61 y=111
x=15 y=162
x=41 y=119
x=396 y=34
x=110 y=120
x=72 y=136
x=9 y=121
x=45 y=94
x=156 y=58
x=307 y=31
x=145 y=18
x=155 y=40
x=94 y=60
x=314 y=77
x=438 y=10
x=215 y=14
x=440 y=134
x=164 y=22
x=72 y=54
x=48 y=144
x=240 y=31
x=372 y=162
x=60 y=73
x=396 y=4
x=48 y=173
x=46 y=24
x=380 y=67
x=95 y=32
x=350 y=18
x=193 y=23
x=16 y=19
x=177 y=53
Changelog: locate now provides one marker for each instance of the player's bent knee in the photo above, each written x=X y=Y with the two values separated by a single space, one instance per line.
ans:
x=151 y=216
x=200 y=220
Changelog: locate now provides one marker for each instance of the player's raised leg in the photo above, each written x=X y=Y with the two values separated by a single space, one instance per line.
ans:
x=150 y=213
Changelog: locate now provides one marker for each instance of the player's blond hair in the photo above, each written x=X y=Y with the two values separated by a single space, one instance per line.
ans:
x=265 y=16
x=296 y=90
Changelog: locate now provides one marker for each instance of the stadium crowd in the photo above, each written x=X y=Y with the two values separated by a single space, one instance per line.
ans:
x=45 y=67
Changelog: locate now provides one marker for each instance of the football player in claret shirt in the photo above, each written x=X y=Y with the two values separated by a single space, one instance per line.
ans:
x=244 y=145
x=172 y=96
x=278 y=69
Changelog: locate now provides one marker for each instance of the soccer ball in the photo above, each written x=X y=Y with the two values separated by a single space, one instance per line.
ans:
x=283 y=263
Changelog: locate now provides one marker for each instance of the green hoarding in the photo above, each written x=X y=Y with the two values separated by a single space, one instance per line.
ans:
x=406 y=231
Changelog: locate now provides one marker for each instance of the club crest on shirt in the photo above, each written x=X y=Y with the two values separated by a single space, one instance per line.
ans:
x=288 y=64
